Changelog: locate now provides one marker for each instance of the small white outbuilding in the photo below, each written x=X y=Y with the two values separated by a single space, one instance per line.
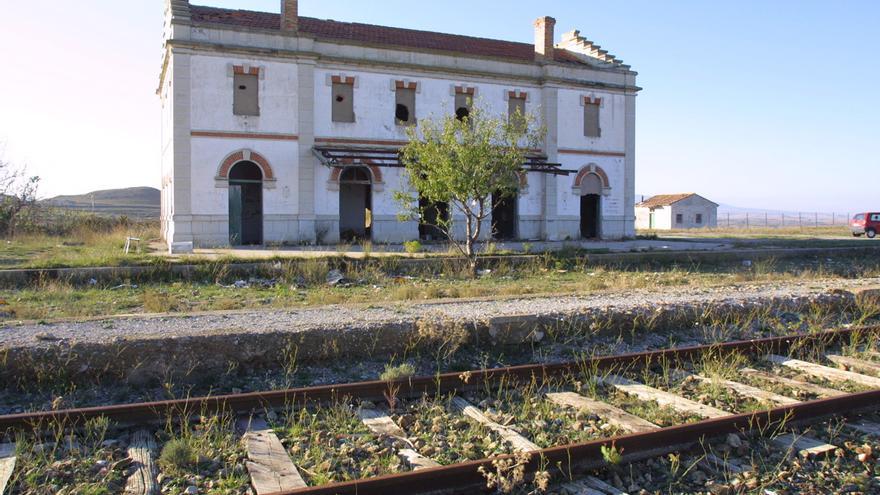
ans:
x=676 y=211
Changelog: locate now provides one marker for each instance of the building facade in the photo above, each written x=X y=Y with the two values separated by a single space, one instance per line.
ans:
x=285 y=129
x=676 y=211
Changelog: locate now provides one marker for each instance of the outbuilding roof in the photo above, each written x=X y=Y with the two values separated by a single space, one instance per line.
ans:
x=379 y=35
x=668 y=199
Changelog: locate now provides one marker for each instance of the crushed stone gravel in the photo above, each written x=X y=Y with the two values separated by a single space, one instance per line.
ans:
x=341 y=317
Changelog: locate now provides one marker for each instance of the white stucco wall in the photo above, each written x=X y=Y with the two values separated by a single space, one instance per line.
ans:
x=665 y=216
x=295 y=113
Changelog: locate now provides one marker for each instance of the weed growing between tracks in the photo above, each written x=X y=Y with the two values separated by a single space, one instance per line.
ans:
x=330 y=444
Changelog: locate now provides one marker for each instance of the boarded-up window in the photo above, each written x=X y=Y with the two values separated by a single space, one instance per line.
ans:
x=405 y=110
x=343 y=102
x=463 y=103
x=246 y=94
x=591 y=120
x=516 y=107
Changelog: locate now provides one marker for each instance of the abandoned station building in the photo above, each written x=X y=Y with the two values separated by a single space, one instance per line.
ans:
x=286 y=129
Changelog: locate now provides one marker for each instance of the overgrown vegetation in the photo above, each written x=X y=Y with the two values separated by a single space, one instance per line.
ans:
x=470 y=163
x=304 y=283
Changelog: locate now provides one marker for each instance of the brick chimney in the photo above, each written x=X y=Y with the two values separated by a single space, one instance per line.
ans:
x=544 y=38
x=289 y=16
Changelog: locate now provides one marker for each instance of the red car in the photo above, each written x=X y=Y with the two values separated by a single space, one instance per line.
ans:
x=865 y=223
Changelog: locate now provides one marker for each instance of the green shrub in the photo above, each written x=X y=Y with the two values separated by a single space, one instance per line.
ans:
x=177 y=455
x=412 y=247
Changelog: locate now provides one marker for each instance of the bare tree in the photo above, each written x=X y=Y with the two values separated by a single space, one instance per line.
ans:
x=18 y=195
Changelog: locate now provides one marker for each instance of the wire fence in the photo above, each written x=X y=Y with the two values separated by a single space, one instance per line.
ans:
x=779 y=220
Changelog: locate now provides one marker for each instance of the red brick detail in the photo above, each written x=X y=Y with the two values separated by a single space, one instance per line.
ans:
x=360 y=141
x=252 y=71
x=404 y=85
x=464 y=90
x=238 y=156
x=592 y=101
x=517 y=94
x=342 y=80
x=590 y=170
x=374 y=170
x=244 y=135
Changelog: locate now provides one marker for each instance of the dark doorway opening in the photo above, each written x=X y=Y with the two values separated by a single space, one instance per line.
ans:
x=504 y=216
x=462 y=113
x=355 y=204
x=434 y=215
x=245 y=204
x=590 y=216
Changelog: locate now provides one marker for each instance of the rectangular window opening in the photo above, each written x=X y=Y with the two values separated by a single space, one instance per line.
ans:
x=699 y=218
x=516 y=108
x=591 y=120
x=679 y=218
x=463 y=104
x=246 y=94
x=405 y=110
x=343 y=102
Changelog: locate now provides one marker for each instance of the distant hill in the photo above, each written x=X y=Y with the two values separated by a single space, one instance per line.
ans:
x=136 y=202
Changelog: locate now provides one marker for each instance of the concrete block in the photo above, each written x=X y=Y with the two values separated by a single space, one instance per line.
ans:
x=181 y=248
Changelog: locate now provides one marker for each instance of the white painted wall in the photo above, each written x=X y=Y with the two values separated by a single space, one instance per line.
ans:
x=665 y=217
x=282 y=112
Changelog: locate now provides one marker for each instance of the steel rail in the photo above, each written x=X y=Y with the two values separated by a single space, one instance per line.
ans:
x=408 y=387
x=577 y=457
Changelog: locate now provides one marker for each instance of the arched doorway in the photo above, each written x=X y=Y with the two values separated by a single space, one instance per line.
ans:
x=245 y=204
x=355 y=204
x=591 y=206
x=504 y=216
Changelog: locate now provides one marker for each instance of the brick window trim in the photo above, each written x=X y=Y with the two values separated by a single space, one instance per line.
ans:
x=516 y=94
x=464 y=90
x=342 y=79
x=246 y=70
x=595 y=170
x=404 y=84
x=375 y=171
x=246 y=156
x=591 y=100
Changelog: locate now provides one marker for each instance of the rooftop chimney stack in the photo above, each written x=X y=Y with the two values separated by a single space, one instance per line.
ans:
x=289 y=16
x=544 y=37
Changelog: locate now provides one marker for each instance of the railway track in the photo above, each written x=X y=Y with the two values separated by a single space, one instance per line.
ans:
x=554 y=420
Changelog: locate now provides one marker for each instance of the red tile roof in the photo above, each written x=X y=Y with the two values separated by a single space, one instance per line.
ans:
x=664 y=200
x=377 y=35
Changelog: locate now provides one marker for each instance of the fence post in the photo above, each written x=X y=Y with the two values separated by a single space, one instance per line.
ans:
x=800 y=220
x=766 y=220
x=816 y=213
x=783 y=219
x=747 y=222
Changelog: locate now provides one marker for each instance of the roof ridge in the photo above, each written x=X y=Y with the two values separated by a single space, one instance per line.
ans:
x=364 y=24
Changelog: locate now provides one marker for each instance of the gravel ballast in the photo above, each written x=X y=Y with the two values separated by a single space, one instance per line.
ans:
x=143 y=347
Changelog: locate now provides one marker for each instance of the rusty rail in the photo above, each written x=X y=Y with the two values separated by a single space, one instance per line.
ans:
x=407 y=387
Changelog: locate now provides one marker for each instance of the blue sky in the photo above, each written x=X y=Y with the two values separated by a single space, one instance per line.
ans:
x=763 y=104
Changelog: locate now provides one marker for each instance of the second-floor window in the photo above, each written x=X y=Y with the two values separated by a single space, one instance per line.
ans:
x=516 y=107
x=591 y=118
x=405 y=106
x=464 y=101
x=246 y=94
x=342 y=103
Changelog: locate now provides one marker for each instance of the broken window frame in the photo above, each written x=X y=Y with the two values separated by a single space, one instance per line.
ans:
x=246 y=94
x=342 y=112
x=592 y=118
x=463 y=99
x=405 y=97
